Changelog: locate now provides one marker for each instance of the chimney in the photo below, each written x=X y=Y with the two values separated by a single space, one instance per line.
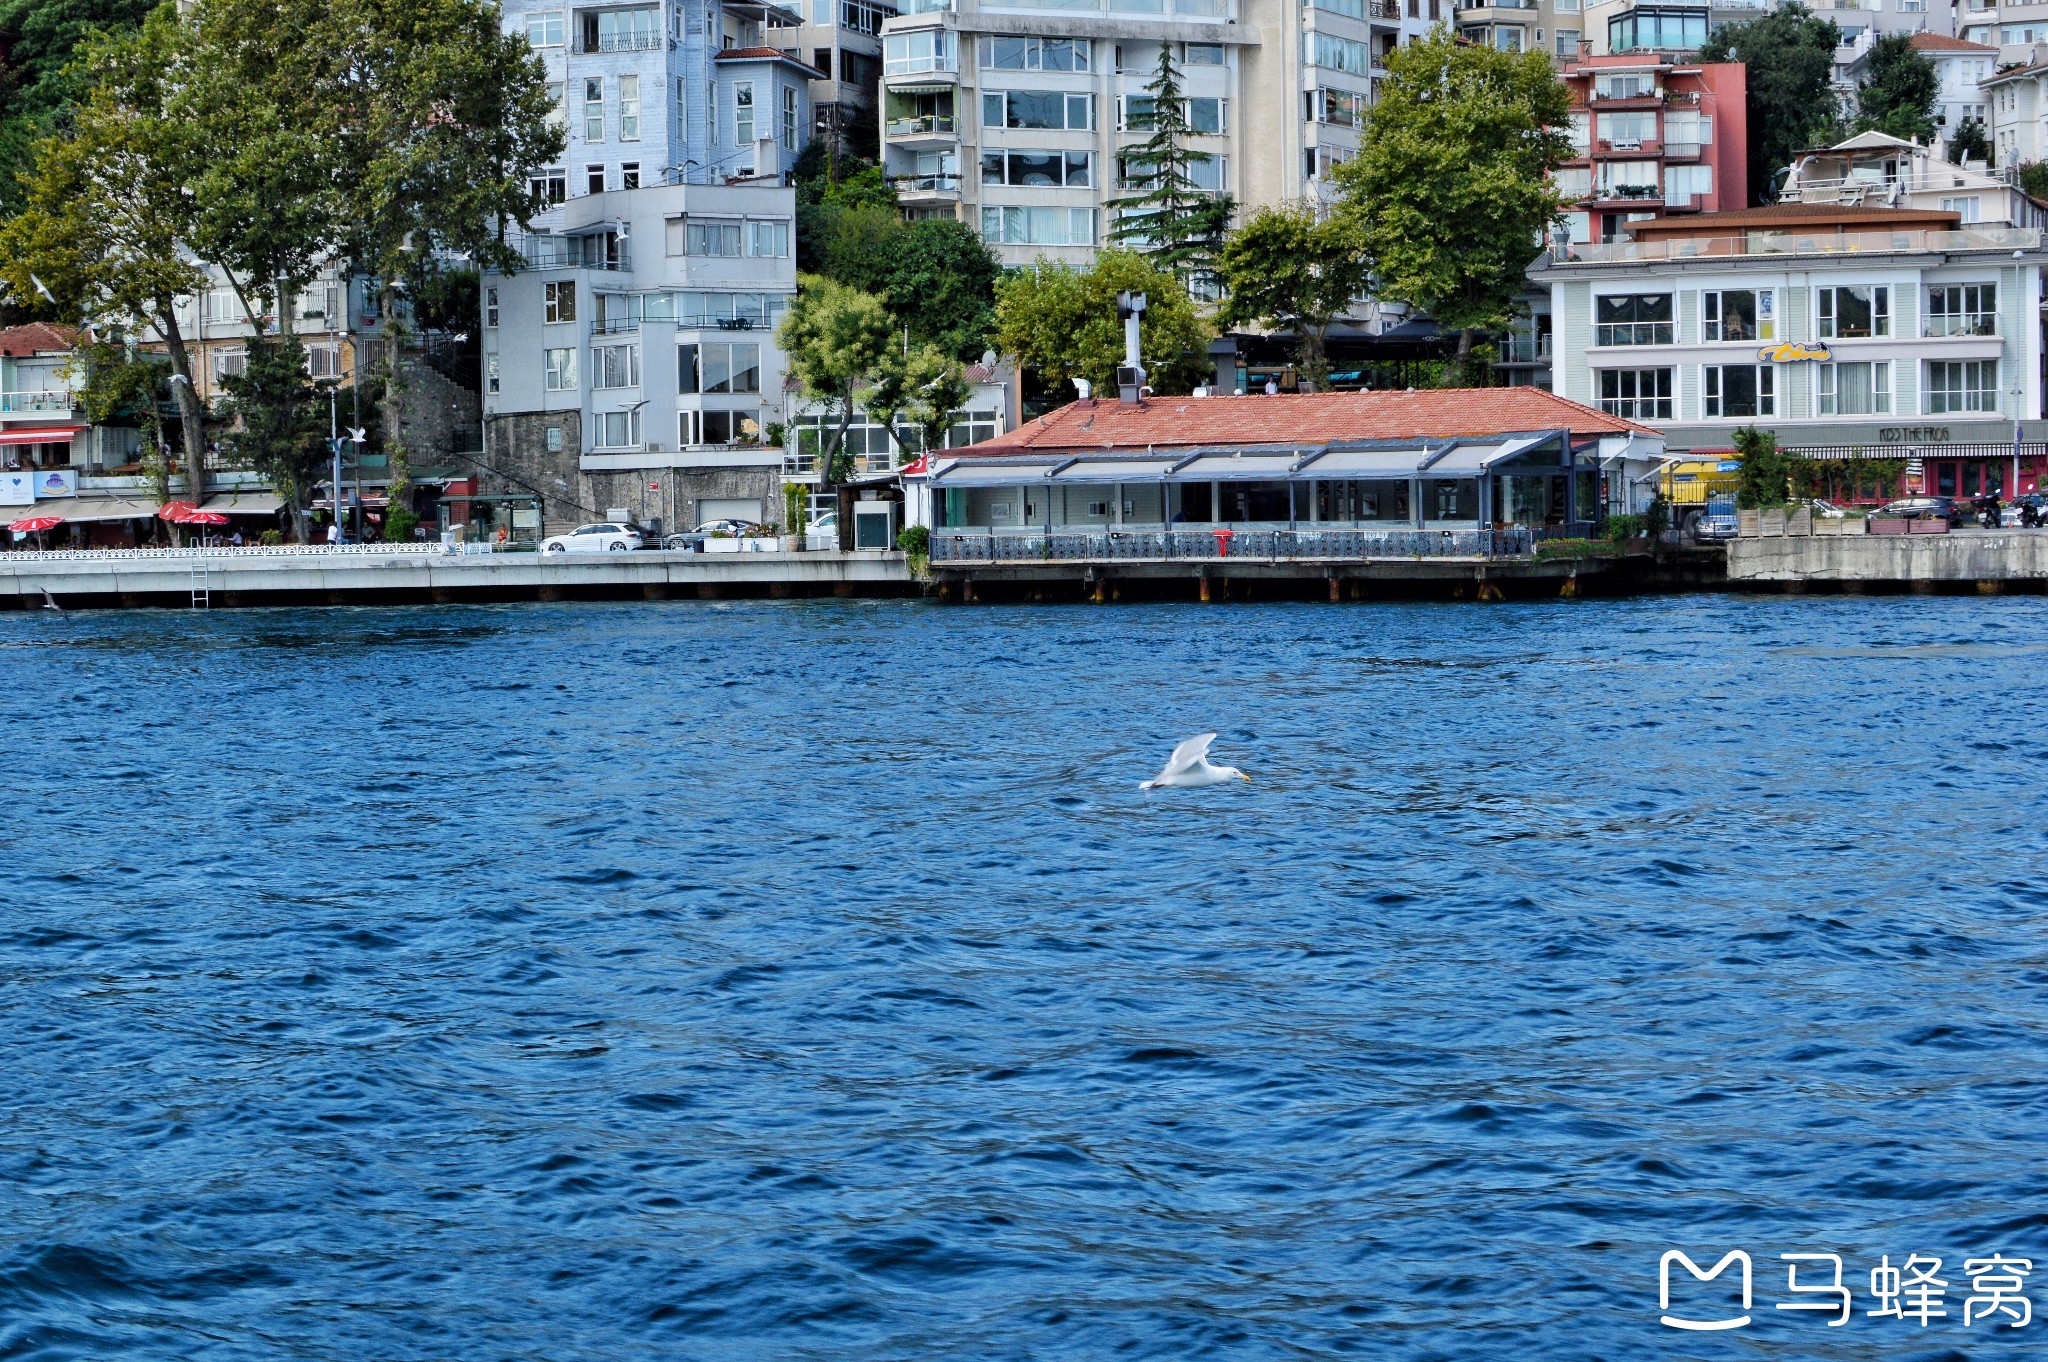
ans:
x=1130 y=375
x=1084 y=392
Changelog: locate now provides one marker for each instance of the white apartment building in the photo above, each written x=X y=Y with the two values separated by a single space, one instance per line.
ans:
x=1013 y=117
x=1875 y=169
x=1960 y=67
x=632 y=364
x=2019 y=112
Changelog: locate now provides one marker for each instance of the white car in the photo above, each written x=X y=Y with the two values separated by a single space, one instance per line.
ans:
x=613 y=538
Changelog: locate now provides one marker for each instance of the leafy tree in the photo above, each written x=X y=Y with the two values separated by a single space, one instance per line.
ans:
x=1970 y=144
x=1179 y=227
x=42 y=80
x=114 y=382
x=105 y=234
x=2034 y=179
x=282 y=428
x=1765 y=478
x=1898 y=98
x=1451 y=192
x=926 y=386
x=829 y=188
x=941 y=284
x=1293 y=268
x=1062 y=322
x=839 y=341
x=1790 y=56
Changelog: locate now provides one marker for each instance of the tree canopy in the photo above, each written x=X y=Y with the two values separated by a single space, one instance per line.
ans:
x=41 y=80
x=1789 y=54
x=839 y=341
x=1969 y=143
x=1451 y=192
x=1061 y=322
x=1898 y=97
x=1294 y=268
x=1176 y=225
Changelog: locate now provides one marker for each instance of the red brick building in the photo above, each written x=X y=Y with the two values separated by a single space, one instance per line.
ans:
x=1655 y=137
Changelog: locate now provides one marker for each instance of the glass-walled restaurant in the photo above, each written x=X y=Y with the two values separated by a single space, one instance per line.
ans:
x=1526 y=481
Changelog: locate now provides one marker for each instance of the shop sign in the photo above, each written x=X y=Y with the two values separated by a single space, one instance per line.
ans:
x=56 y=482
x=18 y=487
x=1728 y=466
x=1913 y=435
x=1791 y=352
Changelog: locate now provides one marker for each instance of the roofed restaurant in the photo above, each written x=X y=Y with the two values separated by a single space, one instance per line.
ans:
x=1458 y=465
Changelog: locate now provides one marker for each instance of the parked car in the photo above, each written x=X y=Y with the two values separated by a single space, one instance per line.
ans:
x=1716 y=521
x=1821 y=507
x=738 y=529
x=608 y=537
x=1922 y=508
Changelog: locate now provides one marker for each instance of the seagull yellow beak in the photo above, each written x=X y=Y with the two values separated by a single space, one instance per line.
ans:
x=1243 y=777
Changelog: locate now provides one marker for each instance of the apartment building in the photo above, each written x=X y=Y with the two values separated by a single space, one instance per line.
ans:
x=842 y=42
x=2002 y=25
x=1682 y=26
x=632 y=364
x=1960 y=69
x=1557 y=27
x=1876 y=169
x=1013 y=117
x=1850 y=331
x=1653 y=136
x=2018 y=98
x=681 y=91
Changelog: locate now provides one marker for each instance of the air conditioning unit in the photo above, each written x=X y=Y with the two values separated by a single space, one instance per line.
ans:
x=650 y=448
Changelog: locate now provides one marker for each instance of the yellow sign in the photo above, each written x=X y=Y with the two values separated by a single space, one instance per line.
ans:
x=1788 y=352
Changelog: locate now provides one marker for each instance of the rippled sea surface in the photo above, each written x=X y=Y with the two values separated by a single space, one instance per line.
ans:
x=811 y=980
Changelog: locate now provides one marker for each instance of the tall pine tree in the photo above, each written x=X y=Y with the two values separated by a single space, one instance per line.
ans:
x=1175 y=224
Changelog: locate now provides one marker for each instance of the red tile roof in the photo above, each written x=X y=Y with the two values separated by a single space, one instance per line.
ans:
x=1306 y=418
x=1793 y=216
x=37 y=338
x=1941 y=42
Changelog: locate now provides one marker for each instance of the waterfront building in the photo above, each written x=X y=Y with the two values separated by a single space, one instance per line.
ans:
x=1875 y=169
x=1014 y=117
x=632 y=365
x=1960 y=68
x=680 y=91
x=1850 y=331
x=2018 y=98
x=1653 y=136
x=994 y=399
x=1400 y=463
x=42 y=424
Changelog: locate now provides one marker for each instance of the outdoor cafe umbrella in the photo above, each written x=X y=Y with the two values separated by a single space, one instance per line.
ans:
x=203 y=518
x=36 y=524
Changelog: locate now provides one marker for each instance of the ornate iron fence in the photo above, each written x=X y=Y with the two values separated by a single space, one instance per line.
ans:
x=1297 y=545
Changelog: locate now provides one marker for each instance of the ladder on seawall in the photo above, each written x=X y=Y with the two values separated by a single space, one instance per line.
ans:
x=202 y=587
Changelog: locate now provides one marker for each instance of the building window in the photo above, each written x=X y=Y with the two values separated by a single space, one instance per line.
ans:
x=1854 y=311
x=1683 y=184
x=790 y=118
x=491 y=306
x=1135 y=113
x=549 y=186
x=1741 y=390
x=1508 y=38
x=1567 y=40
x=491 y=372
x=1033 y=54
x=1969 y=208
x=1022 y=226
x=706 y=236
x=717 y=427
x=1636 y=394
x=1201 y=54
x=629 y=108
x=615 y=366
x=323 y=361
x=561 y=300
x=1962 y=310
x=1343 y=54
x=593 y=108
x=1961 y=386
x=617 y=429
x=1045 y=110
x=629 y=175
x=1633 y=319
x=1038 y=169
x=1739 y=314
x=561 y=370
x=927 y=49
x=593 y=179
x=1658 y=30
x=729 y=367
x=1626 y=130
x=1855 y=389
x=742 y=113
x=545 y=30
x=1345 y=108
x=768 y=238
x=622 y=30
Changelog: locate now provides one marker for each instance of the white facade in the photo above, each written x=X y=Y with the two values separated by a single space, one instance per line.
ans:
x=649 y=314
x=2019 y=114
x=841 y=41
x=1960 y=67
x=1013 y=117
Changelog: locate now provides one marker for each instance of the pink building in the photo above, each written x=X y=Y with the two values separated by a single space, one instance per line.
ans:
x=1655 y=136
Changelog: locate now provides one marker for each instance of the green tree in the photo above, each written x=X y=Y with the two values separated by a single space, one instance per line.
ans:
x=941 y=284
x=1898 y=97
x=1061 y=322
x=1790 y=56
x=105 y=235
x=1293 y=268
x=1178 y=226
x=1451 y=192
x=838 y=340
x=116 y=383
x=1766 y=477
x=924 y=387
x=2033 y=178
x=1970 y=144
x=42 y=79
x=281 y=427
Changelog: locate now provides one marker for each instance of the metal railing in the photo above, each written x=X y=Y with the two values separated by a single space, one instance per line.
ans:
x=1802 y=243
x=926 y=184
x=961 y=545
x=544 y=252
x=625 y=42
x=54 y=399
x=1967 y=324
x=230 y=552
x=925 y=125
x=1633 y=333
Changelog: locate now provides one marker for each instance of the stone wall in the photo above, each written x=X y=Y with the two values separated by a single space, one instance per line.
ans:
x=1959 y=556
x=519 y=459
x=436 y=415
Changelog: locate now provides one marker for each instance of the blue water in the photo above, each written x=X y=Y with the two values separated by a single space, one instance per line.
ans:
x=811 y=980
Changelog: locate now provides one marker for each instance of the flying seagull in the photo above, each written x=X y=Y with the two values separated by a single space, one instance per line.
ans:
x=1189 y=766
x=49 y=601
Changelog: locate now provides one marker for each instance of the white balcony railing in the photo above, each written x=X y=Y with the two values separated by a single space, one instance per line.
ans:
x=45 y=400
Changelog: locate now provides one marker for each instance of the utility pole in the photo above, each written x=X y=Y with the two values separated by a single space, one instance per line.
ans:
x=334 y=447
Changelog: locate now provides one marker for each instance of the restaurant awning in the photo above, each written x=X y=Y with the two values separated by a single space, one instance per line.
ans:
x=1089 y=470
x=1237 y=467
x=994 y=473
x=1366 y=463
x=245 y=503
x=38 y=435
x=1469 y=461
x=79 y=510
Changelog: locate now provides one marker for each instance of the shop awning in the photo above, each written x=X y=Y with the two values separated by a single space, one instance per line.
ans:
x=1237 y=467
x=38 y=435
x=992 y=473
x=1469 y=461
x=1115 y=470
x=245 y=503
x=1365 y=463
x=79 y=510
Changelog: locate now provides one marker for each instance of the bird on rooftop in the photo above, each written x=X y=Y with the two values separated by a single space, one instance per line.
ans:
x=1189 y=767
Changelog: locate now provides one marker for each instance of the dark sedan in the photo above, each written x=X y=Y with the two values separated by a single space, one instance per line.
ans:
x=1922 y=508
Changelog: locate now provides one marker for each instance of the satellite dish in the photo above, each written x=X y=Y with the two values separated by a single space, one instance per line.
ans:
x=988 y=359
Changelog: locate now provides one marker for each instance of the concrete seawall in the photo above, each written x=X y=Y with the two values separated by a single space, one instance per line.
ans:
x=1963 y=559
x=378 y=576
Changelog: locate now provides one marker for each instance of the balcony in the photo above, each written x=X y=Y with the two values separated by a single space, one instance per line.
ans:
x=43 y=402
x=925 y=127
x=1624 y=99
x=926 y=188
x=1967 y=324
x=1383 y=9
x=597 y=252
x=1640 y=195
x=1628 y=146
x=1523 y=348
x=1633 y=333
x=622 y=42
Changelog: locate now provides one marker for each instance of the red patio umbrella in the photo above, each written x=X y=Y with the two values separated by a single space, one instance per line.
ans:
x=175 y=511
x=36 y=523
x=204 y=518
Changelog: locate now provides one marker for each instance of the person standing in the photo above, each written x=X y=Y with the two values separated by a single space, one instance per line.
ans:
x=333 y=533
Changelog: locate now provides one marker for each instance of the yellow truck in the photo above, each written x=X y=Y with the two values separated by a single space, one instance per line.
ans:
x=1694 y=482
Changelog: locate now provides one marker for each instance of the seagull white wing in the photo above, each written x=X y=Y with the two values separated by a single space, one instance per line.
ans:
x=1188 y=754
